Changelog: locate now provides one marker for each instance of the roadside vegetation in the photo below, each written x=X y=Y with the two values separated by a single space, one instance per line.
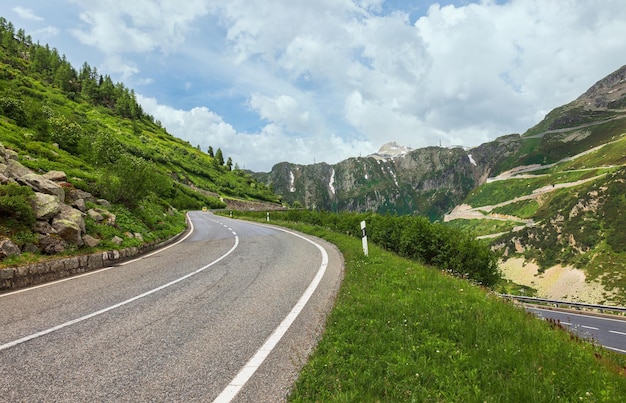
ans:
x=451 y=250
x=404 y=331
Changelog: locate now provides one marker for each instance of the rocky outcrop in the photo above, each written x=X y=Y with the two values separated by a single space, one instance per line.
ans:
x=60 y=214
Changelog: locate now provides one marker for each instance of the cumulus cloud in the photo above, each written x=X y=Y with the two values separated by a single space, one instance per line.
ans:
x=258 y=151
x=329 y=79
x=27 y=13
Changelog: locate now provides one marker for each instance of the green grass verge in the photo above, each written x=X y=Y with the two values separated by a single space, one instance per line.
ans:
x=404 y=332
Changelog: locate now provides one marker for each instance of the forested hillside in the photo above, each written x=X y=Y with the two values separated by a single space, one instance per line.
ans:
x=56 y=118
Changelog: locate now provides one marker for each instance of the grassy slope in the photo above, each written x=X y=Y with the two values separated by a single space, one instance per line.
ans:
x=589 y=229
x=184 y=176
x=404 y=332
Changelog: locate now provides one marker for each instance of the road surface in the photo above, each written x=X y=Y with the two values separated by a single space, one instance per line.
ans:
x=176 y=325
x=604 y=330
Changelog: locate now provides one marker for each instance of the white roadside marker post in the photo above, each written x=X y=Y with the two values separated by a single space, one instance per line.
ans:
x=268 y=216
x=364 y=238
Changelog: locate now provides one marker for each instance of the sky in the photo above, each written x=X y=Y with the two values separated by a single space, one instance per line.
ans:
x=309 y=81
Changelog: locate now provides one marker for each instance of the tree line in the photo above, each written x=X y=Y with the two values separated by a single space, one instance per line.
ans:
x=46 y=64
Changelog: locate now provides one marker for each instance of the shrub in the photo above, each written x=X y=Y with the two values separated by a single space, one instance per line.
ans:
x=15 y=205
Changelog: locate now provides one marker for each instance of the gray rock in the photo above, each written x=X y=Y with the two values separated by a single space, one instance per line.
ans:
x=91 y=241
x=55 y=176
x=117 y=240
x=3 y=179
x=137 y=235
x=95 y=215
x=44 y=227
x=46 y=206
x=69 y=224
x=111 y=218
x=77 y=194
x=51 y=245
x=8 y=248
x=8 y=154
x=30 y=248
x=40 y=184
x=15 y=170
x=80 y=205
x=103 y=202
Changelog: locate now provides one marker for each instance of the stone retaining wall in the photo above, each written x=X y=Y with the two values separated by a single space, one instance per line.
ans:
x=12 y=278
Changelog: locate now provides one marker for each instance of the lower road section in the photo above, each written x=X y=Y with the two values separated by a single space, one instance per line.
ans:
x=604 y=330
x=229 y=313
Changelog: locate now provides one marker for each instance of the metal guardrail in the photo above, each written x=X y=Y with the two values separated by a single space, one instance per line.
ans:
x=577 y=305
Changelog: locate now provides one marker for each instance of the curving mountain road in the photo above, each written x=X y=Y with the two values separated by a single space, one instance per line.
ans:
x=176 y=325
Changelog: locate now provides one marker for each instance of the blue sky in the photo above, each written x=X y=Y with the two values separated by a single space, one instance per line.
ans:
x=304 y=81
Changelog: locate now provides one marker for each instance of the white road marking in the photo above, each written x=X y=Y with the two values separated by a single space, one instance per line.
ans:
x=112 y=307
x=262 y=353
x=100 y=270
x=589 y=327
x=616 y=332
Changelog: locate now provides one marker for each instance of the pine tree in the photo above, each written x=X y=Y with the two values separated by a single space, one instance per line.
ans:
x=219 y=157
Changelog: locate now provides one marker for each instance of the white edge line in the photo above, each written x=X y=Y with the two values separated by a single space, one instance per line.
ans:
x=262 y=353
x=110 y=308
x=616 y=332
x=100 y=270
x=619 y=350
x=577 y=314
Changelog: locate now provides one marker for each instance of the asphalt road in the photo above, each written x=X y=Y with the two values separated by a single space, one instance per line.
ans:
x=606 y=331
x=176 y=325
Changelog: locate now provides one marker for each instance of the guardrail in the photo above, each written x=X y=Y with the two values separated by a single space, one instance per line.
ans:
x=556 y=303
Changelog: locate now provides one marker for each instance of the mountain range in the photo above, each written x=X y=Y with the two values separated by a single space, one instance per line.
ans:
x=552 y=197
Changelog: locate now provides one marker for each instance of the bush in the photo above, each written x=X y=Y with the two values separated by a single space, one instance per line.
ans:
x=449 y=249
x=16 y=209
x=130 y=180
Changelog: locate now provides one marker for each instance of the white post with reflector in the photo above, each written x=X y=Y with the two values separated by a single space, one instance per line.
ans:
x=364 y=238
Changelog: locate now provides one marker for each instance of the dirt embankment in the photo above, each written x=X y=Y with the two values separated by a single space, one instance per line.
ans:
x=559 y=282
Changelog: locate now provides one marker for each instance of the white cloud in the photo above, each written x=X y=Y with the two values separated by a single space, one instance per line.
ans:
x=138 y=26
x=27 y=14
x=257 y=151
x=330 y=79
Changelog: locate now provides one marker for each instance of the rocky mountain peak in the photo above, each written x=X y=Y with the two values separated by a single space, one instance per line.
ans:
x=390 y=150
x=608 y=93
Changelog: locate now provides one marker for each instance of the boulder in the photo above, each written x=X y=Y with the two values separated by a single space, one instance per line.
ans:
x=15 y=170
x=44 y=227
x=138 y=236
x=103 y=202
x=6 y=154
x=8 y=248
x=117 y=240
x=90 y=241
x=55 y=176
x=46 y=206
x=40 y=184
x=30 y=248
x=51 y=245
x=95 y=215
x=80 y=205
x=69 y=224
x=3 y=179
x=76 y=194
